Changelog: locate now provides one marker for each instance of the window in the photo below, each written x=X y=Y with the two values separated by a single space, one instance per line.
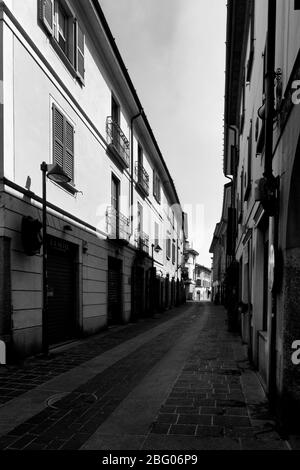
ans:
x=168 y=248
x=156 y=187
x=252 y=40
x=63 y=142
x=115 y=111
x=66 y=34
x=140 y=156
x=173 y=252
x=139 y=217
x=115 y=192
x=242 y=115
x=156 y=234
x=248 y=175
x=297 y=5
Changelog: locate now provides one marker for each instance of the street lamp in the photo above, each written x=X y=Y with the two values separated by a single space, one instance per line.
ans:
x=155 y=248
x=55 y=173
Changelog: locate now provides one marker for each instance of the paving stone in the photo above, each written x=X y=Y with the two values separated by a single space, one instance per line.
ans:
x=22 y=442
x=211 y=410
x=254 y=444
x=187 y=410
x=160 y=428
x=194 y=419
x=210 y=431
x=167 y=418
x=182 y=429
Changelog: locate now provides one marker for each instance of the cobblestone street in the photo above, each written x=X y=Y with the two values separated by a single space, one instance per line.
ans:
x=179 y=381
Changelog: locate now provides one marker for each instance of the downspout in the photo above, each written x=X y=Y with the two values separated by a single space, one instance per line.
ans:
x=271 y=181
x=132 y=169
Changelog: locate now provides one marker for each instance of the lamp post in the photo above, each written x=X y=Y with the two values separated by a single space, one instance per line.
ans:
x=155 y=248
x=55 y=173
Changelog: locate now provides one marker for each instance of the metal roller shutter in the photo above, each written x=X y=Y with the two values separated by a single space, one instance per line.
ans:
x=61 y=294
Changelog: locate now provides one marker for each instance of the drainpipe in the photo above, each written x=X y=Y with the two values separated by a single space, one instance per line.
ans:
x=132 y=169
x=271 y=181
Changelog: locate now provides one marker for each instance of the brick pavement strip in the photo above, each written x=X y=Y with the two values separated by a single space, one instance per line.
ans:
x=70 y=421
x=18 y=379
x=208 y=401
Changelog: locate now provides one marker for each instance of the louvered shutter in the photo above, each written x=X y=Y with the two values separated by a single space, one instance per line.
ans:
x=63 y=142
x=69 y=151
x=58 y=137
x=46 y=14
x=79 y=51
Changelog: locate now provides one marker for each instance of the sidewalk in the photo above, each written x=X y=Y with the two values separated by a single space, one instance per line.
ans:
x=180 y=381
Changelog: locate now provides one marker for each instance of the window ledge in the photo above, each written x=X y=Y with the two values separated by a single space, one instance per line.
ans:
x=69 y=187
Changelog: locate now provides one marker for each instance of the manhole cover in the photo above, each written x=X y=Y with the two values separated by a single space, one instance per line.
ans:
x=80 y=398
x=54 y=398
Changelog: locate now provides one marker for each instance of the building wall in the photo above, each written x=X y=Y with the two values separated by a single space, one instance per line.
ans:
x=257 y=232
x=35 y=78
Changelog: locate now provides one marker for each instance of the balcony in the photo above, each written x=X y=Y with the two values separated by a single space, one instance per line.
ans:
x=142 y=183
x=118 y=228
x=142 y=241
x=118 y=144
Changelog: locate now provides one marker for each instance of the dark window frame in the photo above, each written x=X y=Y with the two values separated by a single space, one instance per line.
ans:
x=156 y=187
x=252 y=42
x=73 y=56
x=248 y=175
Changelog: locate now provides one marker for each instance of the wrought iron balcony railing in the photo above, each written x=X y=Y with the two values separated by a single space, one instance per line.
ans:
x=142 y=240
x=117 y=142
x=118 y=227
x=142 y=178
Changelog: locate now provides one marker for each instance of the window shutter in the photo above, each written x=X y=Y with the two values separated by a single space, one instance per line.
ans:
x=63 y=142
x=69 y=151
x=58 y=137
x=46 y=14
x=79 y=52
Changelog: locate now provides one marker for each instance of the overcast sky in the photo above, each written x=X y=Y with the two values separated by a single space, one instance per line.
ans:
x=175 y=54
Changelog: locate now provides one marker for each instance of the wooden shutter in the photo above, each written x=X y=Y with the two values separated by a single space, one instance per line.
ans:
x=63 y=142
x=46 y=14
x=58 y=137
x=69 y=150
x=79 y=52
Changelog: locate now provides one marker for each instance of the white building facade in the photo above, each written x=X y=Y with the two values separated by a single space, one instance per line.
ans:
x=115 y=232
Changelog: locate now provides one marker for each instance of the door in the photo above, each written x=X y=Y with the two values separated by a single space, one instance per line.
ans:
x=114 y=289
x=61 y=312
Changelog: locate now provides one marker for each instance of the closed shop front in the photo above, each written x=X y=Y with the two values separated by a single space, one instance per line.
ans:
x=61 y=312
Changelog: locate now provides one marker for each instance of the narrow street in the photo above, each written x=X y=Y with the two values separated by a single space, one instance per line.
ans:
x=179 y=381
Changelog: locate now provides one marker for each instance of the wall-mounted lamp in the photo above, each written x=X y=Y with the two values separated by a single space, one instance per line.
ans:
x=55 y=173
